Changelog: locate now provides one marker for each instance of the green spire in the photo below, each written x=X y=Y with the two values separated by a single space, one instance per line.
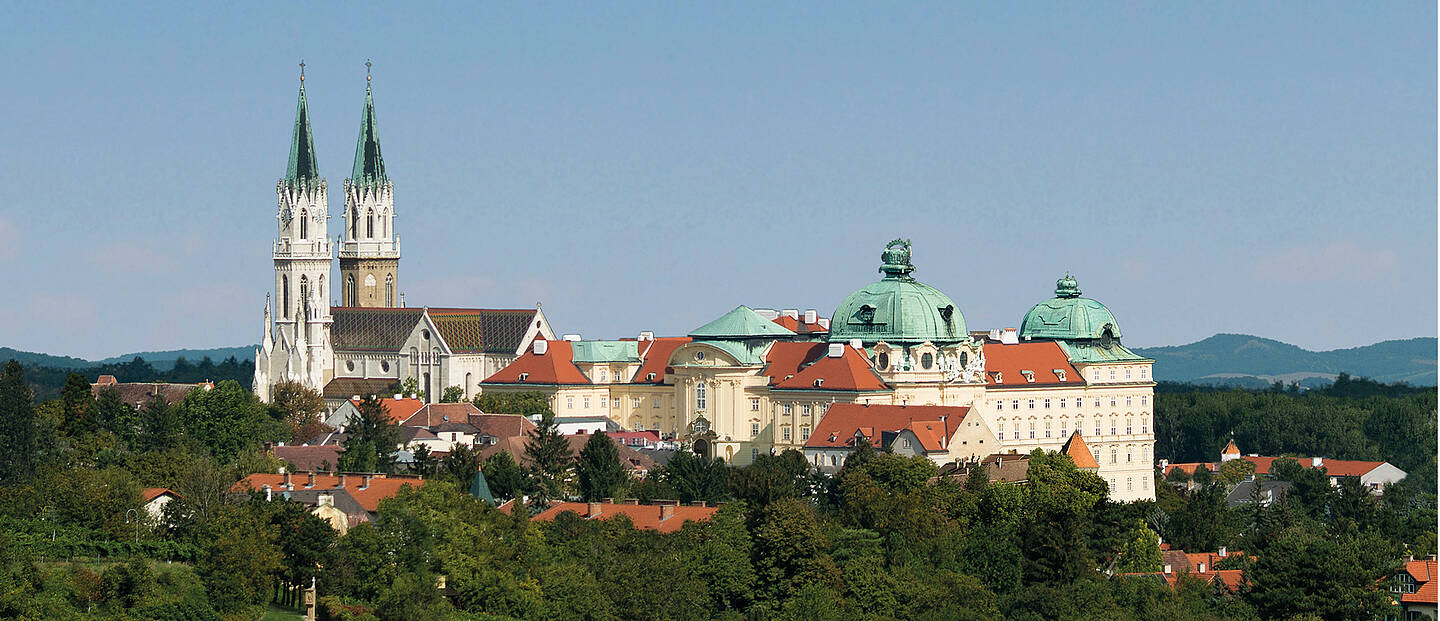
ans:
x=369 y=170
x=303 y=166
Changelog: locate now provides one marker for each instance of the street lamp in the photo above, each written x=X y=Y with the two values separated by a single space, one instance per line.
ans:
x=135 y=520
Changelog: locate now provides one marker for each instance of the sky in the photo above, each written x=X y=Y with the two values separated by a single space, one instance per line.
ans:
x=1259 y=168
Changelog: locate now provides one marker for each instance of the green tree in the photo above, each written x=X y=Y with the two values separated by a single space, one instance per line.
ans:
x=78 y=406
x=373 y=439
x=1236 y=470
x=790 y=550
x=17 y=424
x=550 y=458
x=116 y=416
x=410 y=387
x=1306 y=573
x=460 y=466
x=301 y=407
x=228 y=420
x=159 y=426
x=599 y=468
x=694 y=477
x=524 y=403
x=1141 y=551
x=242 y=561
x=425 y=462
x=505 y=477
x=452 y=394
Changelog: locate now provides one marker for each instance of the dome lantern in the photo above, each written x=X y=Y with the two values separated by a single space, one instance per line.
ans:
x=898 y=309
x=1069 y=317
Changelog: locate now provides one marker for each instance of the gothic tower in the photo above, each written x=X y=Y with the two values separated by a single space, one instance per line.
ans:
x=302 y=265
x=369 y=248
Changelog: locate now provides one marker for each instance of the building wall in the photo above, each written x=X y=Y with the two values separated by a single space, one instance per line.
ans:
x=370 y=277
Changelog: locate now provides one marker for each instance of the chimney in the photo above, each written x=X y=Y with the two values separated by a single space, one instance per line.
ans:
x=812 y=316
x=570 y=337
x=792 y=313
x=666 y=512
x=608 y=501
x=592 y=510
x=399 y=396
x=698 y=503
x=1202 y=567
x=1316 y=462
x=647 y=336
x=836 y=350
x=1010 y=337
x=288 y=484
x=1223 y=552
x=268 y=493
x=365 y=480
x=310 y=480
x=857 y=343
x=341 y=484
x=540 y=346
x=632 y=501
x=994 y=334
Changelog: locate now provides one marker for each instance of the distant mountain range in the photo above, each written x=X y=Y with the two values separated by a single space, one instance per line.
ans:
x=1252 y=361
x=1225 y=359
x=161 y=360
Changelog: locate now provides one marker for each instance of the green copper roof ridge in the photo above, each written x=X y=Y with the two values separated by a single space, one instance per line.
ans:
x=303 y=166
x=369 y=168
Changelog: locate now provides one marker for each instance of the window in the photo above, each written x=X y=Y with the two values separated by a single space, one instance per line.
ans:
x=1143 y=372
x=1096 y=375
x=1079 y=402
x=805 y=409
x=1114 y=455
x=350 y=290
x=754 y=404
x=787 y=409
x=1144 y=424
x=1128 y=430
x=927 y=360
x=390 y=290
x=587 y=403
x=1128 y=400
x=1014 y=404
x=1127 y=372
x=635 y=403
x=1097 y=402
x=754 y=429
x=832 y=460
x=907 y=442
x=1129 y=484
x=1062 y=403
x=615 y=403
x=569 y=403
x=1032 y=430
x=754 y=454
x=700 y=396
x=1112 y=374
x=1129 y=455
x=354 y=219
x=604 y=376
x=1112 y=426
x=1047 y=428
x=805 y=432
x=1097 y=427
x=999 y=404
x=370 y=223
x=1112 y=402
x=285 y=294
x=1064 y=429
x=304 y=225
x=1030 y=403
x=1001 y=434
x=1047 y=404
x=785 y=433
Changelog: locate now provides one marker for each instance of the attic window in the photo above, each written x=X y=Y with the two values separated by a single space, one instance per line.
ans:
x=947 y=311
x=1059 y=373
x=998 y=378
x=649 y=377
x=524 y=376
x=819 y=381
x=1029 y=375
x=866 y=314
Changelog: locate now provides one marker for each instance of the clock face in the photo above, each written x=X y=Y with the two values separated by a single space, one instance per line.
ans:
x=285 y=216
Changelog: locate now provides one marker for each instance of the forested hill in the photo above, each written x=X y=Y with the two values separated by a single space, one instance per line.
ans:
x=1252 y=361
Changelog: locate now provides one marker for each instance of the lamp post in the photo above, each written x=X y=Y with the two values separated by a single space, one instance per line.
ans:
x=135 y=520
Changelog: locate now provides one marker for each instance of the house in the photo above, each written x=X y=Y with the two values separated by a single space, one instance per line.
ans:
x=664 y=516
x=397 y=409
x=436 y=414
x=1177 y=563
x=154 y=499
x=942 y=434
x=1374 y=475
x=1415 y=586
x=323 y=458
x=585 y=424
x=999 y=468
x=1270 y=492
x=637 y=439
x=137 y=394
x=343 y=499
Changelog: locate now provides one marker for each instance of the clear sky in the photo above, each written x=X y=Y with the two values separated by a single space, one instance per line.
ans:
x=1266 y=168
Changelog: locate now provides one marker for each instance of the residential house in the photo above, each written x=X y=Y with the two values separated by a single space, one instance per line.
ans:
x=343 y=499
x=1416 y=589
x=137 y=394
x=665 y=517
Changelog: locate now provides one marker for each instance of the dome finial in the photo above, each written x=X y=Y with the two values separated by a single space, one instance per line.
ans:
x=1067 y=287
x=895 y=260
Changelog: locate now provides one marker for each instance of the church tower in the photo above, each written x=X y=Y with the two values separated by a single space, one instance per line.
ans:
x=369 y=248
x=302 y=266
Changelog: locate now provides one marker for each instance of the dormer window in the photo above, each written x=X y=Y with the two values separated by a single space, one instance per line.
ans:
x=649 y=377
x=999 y=379
x=524 y=376
x=1059 y=374
x=819 y=382
x=946 y=312
x=866 y=314
x=1029 y=375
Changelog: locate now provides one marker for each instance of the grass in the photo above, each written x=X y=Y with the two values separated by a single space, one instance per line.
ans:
x=278 y=613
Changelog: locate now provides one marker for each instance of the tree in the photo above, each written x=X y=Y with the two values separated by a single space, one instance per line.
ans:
x=17 y=424
x=461 y=465
x=532 y=403
x=1236 y=470
x=159 y=426
x=789 y=550
x=549 y=454
x=116 y=416
x=1307 y=573
x=1141 y=551
x=301 y=407
x=695 y=477
x=372 y=441
x=599 y=468
x=452 y=394
x=410 y=387
x=425 y=462
x=228 y=420
x=78 y=405
x=505 y=477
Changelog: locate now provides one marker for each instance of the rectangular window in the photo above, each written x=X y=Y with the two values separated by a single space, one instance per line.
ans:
x=1143 y=372
x=805 y=432
x=1112 y=374
x=1129 y=455
x=1001 y=435
x=1030 y=403
x=1127 y=401
x=1047 y=404
x=1014 y=404
x=907 y=442
x=754 y=454
x=1129 y=484
x=1062 y=404
x=1112 y=426
x=635 y=403
x=1097 y=427
x=1144 y=425
x=655 y=402
x=1097 y=402
x=785 y=433
x=615 y=403
x=999 y=405
x=569 y=403
x=586 y=403
x=1112 y=402
x=754 y=429
x=755 y=404
x=1047 y=428
x=1032 y=431
x=1079 y=402
x=1127 y=372
x=1128 y=430
x=805 y=409
x=787 y=409
x=1064 y=429
x=1144 y=400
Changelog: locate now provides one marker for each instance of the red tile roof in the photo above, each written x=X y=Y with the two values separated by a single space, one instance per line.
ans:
x=435 y=414
x=797 y=326
x=551 y=368
x=151 y=493
x=656 y=358
x=381 y=486
x=311 y=458
x=932 y=434
x=849 y=372
x=785 y=358
x=650 y=517
x=397 y=410
x=501 y=425
x=1041 y=358
x=1189 y=468
x=1425 y=586
x=844 y=420
x=1230 y=448
x=1333 y=467
x=1079 y=452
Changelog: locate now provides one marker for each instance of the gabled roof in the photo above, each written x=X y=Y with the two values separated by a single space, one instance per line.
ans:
x=436 y=414
x=656 y=355
x=372 y=329
x=1333 y=467
x=502 y=425
x=369 y=168
x=1230 y=448
x=1079 y=452
x=303 y=167
x=740 y=323
x=151 y=493
x=313 y=458
x=848 y=372
x=933 y=435
x=1040 y=358
x=794 y=324
x=785 y=358
x=843 y=421
x=347 y=387
x=380 y=486
x=552 y=368
x=649 y=517
x=1423 y=571
x=482 y=330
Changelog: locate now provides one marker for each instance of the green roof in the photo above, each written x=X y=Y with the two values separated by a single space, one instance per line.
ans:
x=480 y=488
x=746 y=352
x=369 y=169
x=303 y=166
x=898 y=309
x=1069 y=316
x=741 y=323
x=1086 y=353
x=605 y=351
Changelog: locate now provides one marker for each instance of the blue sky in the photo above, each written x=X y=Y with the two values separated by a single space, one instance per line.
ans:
x=1200 y=167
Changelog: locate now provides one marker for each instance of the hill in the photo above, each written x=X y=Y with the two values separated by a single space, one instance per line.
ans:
x=1245 y=360
x=33 y=359
x=164 y=360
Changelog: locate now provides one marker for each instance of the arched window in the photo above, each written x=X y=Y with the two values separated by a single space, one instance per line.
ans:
x=370 y=223
x=467 y=385
x=350 y=290
x=354 y=221
x=285 y=294
x=390 y=290
x=700 y=396
x=304 y=225
x=304 y=294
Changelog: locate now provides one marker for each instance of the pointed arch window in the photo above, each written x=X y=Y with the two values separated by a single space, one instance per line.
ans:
x=354 y=221
x=304 y=225
x=390 y=290
x=370 y=223
x=304 y=294
x=285 y=295
x=350 y=290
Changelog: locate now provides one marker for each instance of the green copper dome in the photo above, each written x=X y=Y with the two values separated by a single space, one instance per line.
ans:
x=898 y=309
x=1069 y=316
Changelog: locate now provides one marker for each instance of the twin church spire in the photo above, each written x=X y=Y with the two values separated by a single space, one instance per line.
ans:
x=304 y=167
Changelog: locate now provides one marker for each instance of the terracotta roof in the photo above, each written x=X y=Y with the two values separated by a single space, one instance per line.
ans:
x=849 y=372
x=551 y=368
x=656 y=356
x=151 y=493
x=397 y=410
x=381 y=486
x=1230 y=448
x=1423 y=572
x=840 y=424
x=1189 y=468
x=785 y=358
x=932 y=434
x=433 y=414
x=482 y=330
x=650 y=517
x=1079 y=452
x=1333 y=467
x=139 y=393
x=502 y=425
x=372 y=329
x=794 y=324
x=1040 y=358
x=311 y=458
x=347 y=387
x=999 y=467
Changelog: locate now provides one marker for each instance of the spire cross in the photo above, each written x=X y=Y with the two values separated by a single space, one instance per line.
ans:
x=302 y=70
x=367 y=70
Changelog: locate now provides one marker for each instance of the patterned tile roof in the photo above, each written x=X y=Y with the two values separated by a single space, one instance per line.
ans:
x=490 y=331
x=347 y=387
x=372 y=329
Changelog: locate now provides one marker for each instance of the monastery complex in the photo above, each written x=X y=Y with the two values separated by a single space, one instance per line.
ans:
x=895 y=365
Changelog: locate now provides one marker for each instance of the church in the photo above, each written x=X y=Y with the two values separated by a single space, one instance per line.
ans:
x=368 y=340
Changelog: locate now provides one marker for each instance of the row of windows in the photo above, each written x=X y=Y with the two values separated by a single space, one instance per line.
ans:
x=354 y=222
x=1144 y=373
x=1065 y=428
x=1079 y=402
x=1130 y=483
